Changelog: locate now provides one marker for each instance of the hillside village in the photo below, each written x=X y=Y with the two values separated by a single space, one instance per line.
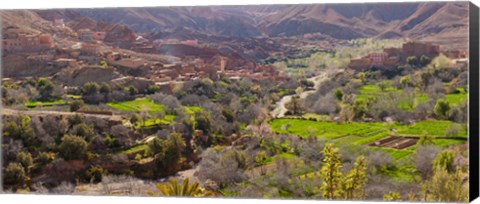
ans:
x=23 y=53
x=391 y=57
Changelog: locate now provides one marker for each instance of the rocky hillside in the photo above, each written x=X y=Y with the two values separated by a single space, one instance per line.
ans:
x=343 y=21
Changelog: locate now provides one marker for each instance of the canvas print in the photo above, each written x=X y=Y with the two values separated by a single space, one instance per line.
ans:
x=316 y=101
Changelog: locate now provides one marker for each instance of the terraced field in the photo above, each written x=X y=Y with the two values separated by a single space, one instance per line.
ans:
x=365 y=133
x=373 y=90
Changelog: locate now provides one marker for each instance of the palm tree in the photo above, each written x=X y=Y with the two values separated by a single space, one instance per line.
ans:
x=173 y=188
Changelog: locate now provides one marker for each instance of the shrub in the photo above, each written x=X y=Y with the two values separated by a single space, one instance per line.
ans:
x=45 y=158
x=90 y=88
x=95 y=174
x=76 y=105
x=72 y=147
x=25 y=159
x=453 y=130
x=442 y=107
x=14 y=173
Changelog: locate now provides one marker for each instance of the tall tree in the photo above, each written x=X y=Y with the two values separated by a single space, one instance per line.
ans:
x=330 y=173
x=355 y=180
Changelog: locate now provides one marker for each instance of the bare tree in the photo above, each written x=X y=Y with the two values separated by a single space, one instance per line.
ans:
x=423 y=160
x=223 y=167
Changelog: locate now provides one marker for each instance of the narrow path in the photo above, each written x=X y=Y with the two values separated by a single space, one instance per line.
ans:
x=6 y=111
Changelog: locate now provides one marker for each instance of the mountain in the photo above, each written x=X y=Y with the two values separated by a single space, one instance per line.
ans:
x=439 y=22
x=341 y=21
x=211 y=20
x=381 y=20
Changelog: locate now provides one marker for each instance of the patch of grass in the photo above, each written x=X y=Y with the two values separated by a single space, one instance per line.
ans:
x=137 y=105
x=151 y=122
x=454 y=99
x=327 y=129
x=442 y=142
x=397 y=154
x=137 y=148
x=282 y=155
x=32 y=104
x=192 y=109
x=432 y=127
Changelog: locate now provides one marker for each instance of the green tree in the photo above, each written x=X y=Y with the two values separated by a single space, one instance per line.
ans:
x=44 y=158
x=132 y=90
x=103 y=63
x=362 y=77
x=20 y=128
x=203 y=121
x=153 y=89
x=424 y=60
x=168 y=153
x=338 y=94
x=76 y=105
x=425 y=139
x=14 y=174
x=25 y=159
x=405 y=81
x=105 y=88
x=95 y=174
x=90 y=88
x=444 y=160
x=261 y=160
x=330 y=173
x=45 y=88
x=72 y=147
x=412 y=61
x=446 y=187
x=83 y=130
x=441 y=108
x=355 y=180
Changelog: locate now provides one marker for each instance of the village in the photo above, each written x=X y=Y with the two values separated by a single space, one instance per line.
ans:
x=43 y=54
x=391 y=57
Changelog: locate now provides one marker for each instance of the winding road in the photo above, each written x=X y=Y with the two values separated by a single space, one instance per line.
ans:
x=280 y=107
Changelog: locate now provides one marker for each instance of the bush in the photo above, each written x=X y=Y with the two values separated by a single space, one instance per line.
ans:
x=95 y=174
x=442 y=107
x=105 y=88
x=72 y=147
x=25 y=159
x=90 y=88
x=45 y=158
x=152 y=89
x=76 y=105
x=14 y=173
x=82 y=130
x=135 y=118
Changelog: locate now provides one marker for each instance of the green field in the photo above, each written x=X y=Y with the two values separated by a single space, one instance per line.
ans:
x=433 y=127
x=32 y=104
x=362 y=133
x=374 y=90
x=137 y=105
x=140 y=104
x=327 y=129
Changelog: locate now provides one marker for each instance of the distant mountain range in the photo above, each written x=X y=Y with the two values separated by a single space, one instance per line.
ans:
x=428 y=20
x=343 y=21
